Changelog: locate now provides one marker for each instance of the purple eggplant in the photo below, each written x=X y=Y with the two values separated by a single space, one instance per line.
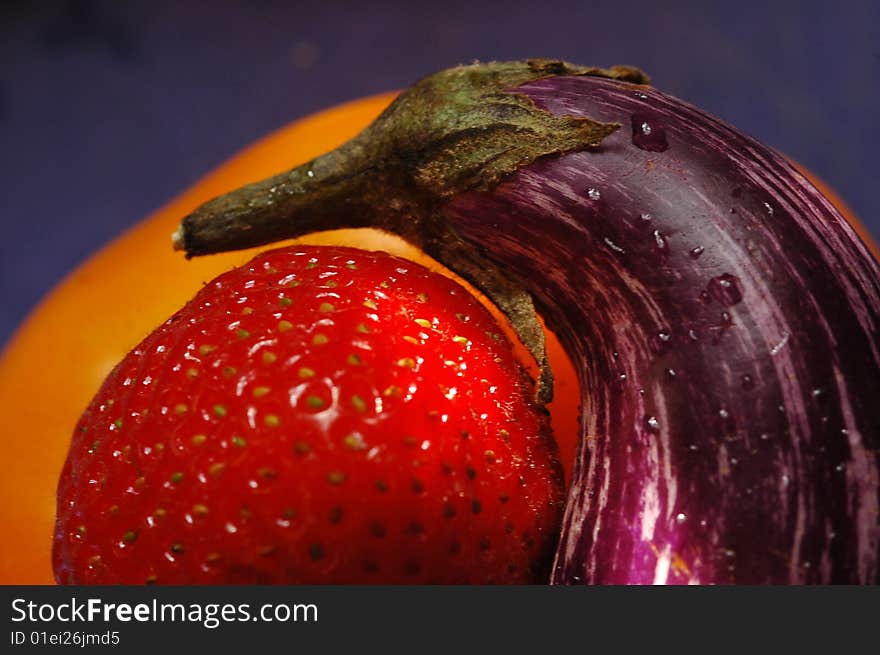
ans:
x=723 y=316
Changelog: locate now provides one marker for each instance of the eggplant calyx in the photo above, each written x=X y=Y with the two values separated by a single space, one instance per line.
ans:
x=459 y=130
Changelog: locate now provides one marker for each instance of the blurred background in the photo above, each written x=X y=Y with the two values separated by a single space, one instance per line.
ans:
x=109 y=109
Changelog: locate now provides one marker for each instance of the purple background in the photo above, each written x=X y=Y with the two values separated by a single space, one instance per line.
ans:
x=109 y=109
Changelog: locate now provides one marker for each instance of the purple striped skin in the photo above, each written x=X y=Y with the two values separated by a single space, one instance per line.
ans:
x=725 y=321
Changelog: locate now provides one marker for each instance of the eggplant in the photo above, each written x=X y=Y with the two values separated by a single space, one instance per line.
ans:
x=723 y=317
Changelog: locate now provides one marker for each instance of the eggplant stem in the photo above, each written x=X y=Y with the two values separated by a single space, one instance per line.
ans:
x=459 y=130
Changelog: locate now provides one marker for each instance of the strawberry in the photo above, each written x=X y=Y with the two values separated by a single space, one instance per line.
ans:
x=320 y=415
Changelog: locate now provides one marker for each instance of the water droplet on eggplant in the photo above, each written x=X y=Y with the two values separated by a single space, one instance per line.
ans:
x=662 y=341
x=726 y=424
x=594 y=193
x=647 y=134
x=614 y=246
x=725 y=289
x=652 y=423
x=660 y=241
x=781 y=344
x=696 y=252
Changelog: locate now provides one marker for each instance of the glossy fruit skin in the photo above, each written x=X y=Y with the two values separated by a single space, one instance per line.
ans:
x=71 y=341
x=725 y=319
x=320 y=415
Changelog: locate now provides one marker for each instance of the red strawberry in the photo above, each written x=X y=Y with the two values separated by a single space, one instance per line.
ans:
x=320 y=415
